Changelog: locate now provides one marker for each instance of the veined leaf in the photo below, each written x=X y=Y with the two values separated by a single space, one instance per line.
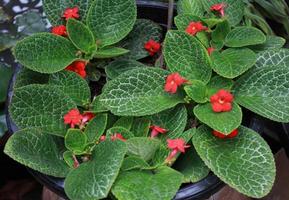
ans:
x=139 y=92
x=274 y=57
x=96 y=127
x=75 y=141
x=245 y=162
x=190 y=6
x=217 y=83
x=272 y=42
x=28 y=77
x=110 y=52
x=197 y=91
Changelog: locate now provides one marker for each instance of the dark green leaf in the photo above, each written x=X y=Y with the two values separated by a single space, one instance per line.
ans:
x=274 y=57
x=38 y=151
x=197 y=91
x=245 y=162
x=140 y=127
x=224 y=122
x=5 y=75
x=110 y=52
x=272 y=42
x=190 y=7
x=217 y=83
x=125 y=122
x=94 y=179
x=45 y=52
x=186 y=55
x=28 y=77
x=133 y=162
x=68 y=158
x=96 y=127
x=110 y=21
x=96 y=106
x=139 y=92
x=75 y=141
x=121 y=130
x=221 y=31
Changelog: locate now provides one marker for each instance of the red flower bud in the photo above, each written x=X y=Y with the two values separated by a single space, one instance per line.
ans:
x=173 y=81
x=59 y=30
x=71 y=13
x=156 y=130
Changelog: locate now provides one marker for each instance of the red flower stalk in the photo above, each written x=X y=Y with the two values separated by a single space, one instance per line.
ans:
x=71 y=13
x=59 y=30
x=73 y=117
x=87 y=116
x=77 y=67
x=210 y=50
x=173 y=81
x=222 y=101
x=195 y=27
x=156 y=130
x=152 y=47
x=218 y=134
x=220 y=7
x=117 y=136
x=176 y=145
x=75 y=162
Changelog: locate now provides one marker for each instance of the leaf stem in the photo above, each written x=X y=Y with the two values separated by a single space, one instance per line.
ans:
x=170 y=14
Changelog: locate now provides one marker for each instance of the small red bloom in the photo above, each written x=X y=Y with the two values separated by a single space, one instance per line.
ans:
x=156 y=130
x=87 y=116
x=210 y=50
x=117 y=136
x=102 y=138
x=222 y=101
x=220 y=7
x=176 y=145
x=152 y=47
x=71 y=13
x=73 y=117
x=59 y=30
x=218 y=134
x=77 y=67
x=173 y=81
x=195 y=27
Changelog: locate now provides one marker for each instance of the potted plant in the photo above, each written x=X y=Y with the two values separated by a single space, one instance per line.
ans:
x=125 y=141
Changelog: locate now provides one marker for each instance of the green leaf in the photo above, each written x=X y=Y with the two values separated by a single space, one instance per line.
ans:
x=96 y=105
x=217 y=83
x=233 y=62
x=174 y=120
x=144 y=185
x=186 y=55
x=38 y=151
x=28 y=77
x=110 y=21
x=191 y=166
x=110 y=52
x=245 y=162
x=96 y=127
x=272 y=42
x=45 y=52
x=94 y=179
x=234 y=9
x=182 y=22
x=42 y=107
x=133 y=162
x=244 y=36
x=6 y=73
x=211 y=22
x=197 y=91
x=72 y=85
x=117 y=67
x=80 y=36
x=265 y=92
x=224 y=122
x=139 y=92
x=143 y=31
x=118 y=129
x=68 y=158
x=125 y=122
x=140 y=127
x=276 y=57
x=142 y=147
x=221 y=31
x=3 y=124
x=190 y=6
x=75 y=141
x=54 y=9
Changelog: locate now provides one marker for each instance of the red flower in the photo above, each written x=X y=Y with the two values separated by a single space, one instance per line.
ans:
x=210 y=50
x=220 y=7
x=176 y=145
x=71 y=13
x=87 y=116
x=195 y=27
x=77 y=67
x=156 y=130
x=152 y=47
x=173 y=81
x=222 y=101
x=218 y=134
x=117 y=136
x=73 y=117
x=102 y=138
x=59 y=30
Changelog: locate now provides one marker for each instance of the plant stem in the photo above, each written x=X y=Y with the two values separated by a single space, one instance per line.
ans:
x=170 y=14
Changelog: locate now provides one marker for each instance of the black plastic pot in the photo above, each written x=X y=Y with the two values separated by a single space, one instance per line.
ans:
x=196 y=191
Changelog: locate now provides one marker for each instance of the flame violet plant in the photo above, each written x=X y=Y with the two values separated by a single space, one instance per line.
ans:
x=151 y=128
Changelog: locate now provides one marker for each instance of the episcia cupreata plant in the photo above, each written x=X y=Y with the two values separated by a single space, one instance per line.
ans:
x=127 y=140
